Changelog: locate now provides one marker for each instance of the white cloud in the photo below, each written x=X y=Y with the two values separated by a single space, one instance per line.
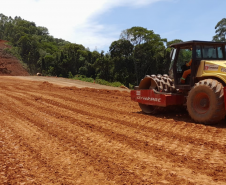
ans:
x=72 y=20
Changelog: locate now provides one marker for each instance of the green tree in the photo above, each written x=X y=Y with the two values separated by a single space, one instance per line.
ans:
x=220 y=30
x=104 y=66
x=147 y=46
x=121 y=52
x=121 y=48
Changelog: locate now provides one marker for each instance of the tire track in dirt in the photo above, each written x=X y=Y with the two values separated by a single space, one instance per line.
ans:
x=98 y=102
x=172 y=175
x=108 y=167
x=57 y=160
x=175 y=145
x=110 y=144
x=117 y=135
x=17 y=158
x=155 y=133
x=186 y=130
x=145 y=121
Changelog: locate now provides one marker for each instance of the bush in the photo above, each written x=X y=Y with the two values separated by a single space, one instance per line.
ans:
x=50 y=71
x=98 y=81
x=83 y=78
x=131 y=86
x=104 y=82
x=70 y=75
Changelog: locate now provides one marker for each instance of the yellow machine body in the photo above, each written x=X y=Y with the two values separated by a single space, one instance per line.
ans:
x=208 y=68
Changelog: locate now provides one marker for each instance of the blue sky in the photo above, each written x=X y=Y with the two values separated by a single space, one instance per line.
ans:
x=97 y=23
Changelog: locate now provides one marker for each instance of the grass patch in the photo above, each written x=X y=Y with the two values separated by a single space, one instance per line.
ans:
x=83 y=78
x=97 y=81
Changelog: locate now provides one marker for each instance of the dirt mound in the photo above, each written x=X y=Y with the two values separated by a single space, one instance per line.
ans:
x=10 y=66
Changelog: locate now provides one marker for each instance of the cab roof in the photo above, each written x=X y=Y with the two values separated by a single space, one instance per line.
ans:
x=197 y=42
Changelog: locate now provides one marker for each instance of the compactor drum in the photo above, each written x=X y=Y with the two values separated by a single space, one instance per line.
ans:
x=157 y=83
x=200 y=87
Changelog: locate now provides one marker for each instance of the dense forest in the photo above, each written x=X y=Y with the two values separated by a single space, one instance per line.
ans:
x=138 y=51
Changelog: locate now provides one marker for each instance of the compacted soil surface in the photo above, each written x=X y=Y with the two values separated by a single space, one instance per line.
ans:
x=51 y=134
x=66 y=82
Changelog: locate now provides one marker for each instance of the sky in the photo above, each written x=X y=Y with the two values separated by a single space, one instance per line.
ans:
x=97 y=23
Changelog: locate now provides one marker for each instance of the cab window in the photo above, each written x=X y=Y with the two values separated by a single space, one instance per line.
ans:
x=172 y=56
x=184 y=57
x=212 y=52
x=220 y=52
x=209 y=52
x=198 y=52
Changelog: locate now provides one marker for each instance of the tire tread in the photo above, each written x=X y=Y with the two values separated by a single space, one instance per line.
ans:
x=218 y=89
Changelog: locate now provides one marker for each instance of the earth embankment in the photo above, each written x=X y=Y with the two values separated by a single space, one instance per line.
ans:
x=9 y=65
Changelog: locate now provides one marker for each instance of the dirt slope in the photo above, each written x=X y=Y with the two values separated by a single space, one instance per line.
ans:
x=10 y=66
x=66 y=135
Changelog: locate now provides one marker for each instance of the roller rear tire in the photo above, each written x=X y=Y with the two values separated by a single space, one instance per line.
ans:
x=205 y=102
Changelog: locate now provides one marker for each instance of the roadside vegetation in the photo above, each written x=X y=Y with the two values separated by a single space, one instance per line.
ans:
x=138 y=51
x=97 y=81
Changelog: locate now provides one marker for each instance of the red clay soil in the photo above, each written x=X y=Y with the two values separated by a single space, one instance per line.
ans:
x=10 y=66
x=66 y=135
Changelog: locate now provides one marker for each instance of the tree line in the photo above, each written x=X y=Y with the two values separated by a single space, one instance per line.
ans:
x=138 y=51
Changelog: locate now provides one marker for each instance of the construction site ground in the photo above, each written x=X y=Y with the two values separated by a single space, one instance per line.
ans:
x=51 y=133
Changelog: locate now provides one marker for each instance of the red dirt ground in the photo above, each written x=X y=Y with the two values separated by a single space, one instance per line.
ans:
x=52 y=134
x=10 y=66
x=67 y=135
